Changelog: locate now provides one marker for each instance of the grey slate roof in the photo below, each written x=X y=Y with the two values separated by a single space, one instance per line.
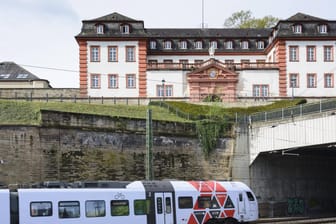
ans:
x=301 y=17
x=113 y=17
x=10 y=71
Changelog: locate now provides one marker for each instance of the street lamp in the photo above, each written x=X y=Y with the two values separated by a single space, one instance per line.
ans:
x=163 y=85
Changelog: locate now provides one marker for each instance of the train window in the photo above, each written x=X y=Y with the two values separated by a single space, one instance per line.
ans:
x=185 y=202
x=250 y=196
x=168 y=205
x=95 y=208
x=68 y=209
x=204 y=202
x=141 y=207
x=240 y=197
x=228 y=203
x=40 y=208
x=119 y=208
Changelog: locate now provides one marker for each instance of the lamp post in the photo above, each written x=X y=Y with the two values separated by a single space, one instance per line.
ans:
x=163 y=85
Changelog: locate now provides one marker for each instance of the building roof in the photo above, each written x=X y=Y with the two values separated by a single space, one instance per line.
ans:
x=113 y=17
x=10 y=71
x=301 y=17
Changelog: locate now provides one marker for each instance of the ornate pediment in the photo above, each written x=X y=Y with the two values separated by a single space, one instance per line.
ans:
x=213 y=70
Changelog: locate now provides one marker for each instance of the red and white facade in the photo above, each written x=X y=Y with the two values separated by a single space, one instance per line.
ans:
x=121 y=58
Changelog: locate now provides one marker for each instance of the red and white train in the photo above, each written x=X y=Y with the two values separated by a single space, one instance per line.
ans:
x=138 y=202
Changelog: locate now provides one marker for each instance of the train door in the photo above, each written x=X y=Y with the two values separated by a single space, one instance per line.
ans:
x=164 y=208
x=241 y=204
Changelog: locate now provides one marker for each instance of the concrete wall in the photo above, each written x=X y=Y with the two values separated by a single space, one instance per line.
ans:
x=72 y=147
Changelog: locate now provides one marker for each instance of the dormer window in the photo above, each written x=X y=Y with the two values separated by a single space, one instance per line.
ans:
x=322 y=28
x=244 y=44
x=297 y=28
x=152 y=44
x=22 y=76
x=198 y=44
x=167 y=44
x=125 y=29
x=213 y=44
x=100 y=29
x=260 y=44
x=229 y=44
x=183 y=44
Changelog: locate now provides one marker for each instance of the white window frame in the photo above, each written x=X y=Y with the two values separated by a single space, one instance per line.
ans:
x=260 y=44
x=152 y=44
x=214 y=44
x=323 y=28
x=130 y=54
x=297 y=28
x=167 y=44
x=125 y=29
x=183 y=44
x=100 y=29
x=244 y=44
x=113 y=81
x=95 y=81
x=198 y=44
x=130 y=81
x=229 y=44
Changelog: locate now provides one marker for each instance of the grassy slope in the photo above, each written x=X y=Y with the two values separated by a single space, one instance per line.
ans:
x=26 y=113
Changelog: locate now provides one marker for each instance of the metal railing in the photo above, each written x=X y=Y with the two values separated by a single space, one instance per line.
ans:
x=288 y=113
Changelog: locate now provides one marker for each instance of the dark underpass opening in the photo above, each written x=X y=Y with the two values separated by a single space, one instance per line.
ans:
x=296 y=182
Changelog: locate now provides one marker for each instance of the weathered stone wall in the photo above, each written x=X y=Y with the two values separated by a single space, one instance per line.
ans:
x=38 y=92
x=71 y=147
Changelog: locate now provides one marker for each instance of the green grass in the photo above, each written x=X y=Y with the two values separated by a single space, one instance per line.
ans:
x=28 y=113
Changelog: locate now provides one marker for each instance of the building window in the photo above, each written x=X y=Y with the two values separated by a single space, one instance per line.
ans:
x=100 y=29
x=167 y=44
x=95 y=81
x=293 y=53
x=112 y=53
x=297 y=28
x=21 y=76
x=198 y=44
x=311 y=53
x=213 y=44
x=229 y=44
x=293 y=80
x=244 y=44
x=260 y=44
x=164 y=90
x=183 y=44
x=260 y=90
x=125 y=29
x=130 y=54
x=130 y=81
x=311 y=80
x=328 y=53
x=322 y=28
x=328 y=80
x=95 y=53
x=113 y=81
x=152 y=44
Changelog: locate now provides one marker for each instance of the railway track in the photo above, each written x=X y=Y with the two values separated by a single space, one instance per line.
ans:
x=296 y=220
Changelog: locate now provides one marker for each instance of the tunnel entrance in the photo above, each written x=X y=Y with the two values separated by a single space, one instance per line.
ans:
x=296 y=182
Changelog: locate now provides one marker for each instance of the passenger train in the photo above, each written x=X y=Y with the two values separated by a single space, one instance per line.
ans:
x=138 y=202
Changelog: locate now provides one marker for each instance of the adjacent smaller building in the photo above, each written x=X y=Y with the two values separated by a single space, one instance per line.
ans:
x=14 y=76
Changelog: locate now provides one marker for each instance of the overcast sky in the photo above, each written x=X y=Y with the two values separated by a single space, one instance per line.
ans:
x=39 y=34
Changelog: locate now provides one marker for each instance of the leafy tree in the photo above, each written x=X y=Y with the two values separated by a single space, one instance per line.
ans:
x=244 y=19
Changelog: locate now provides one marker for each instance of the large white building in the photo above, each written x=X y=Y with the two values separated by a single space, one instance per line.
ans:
x=119 y=57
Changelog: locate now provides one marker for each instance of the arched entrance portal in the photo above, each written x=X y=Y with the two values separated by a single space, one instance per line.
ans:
x=213 y=78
